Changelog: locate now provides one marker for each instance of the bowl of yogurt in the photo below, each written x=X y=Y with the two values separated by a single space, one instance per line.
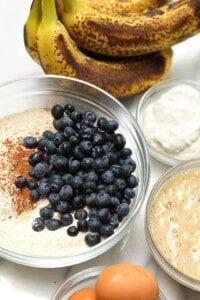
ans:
x=65 y=146
x=172 y=222
x=168 y=114
x=84 y=279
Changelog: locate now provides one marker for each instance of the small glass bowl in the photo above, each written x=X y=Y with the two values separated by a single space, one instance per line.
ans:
x=83 y=279
x=164 y=220
x=150 y=96
x=46 y=90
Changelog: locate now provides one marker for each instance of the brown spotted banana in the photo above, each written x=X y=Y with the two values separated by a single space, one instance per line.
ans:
x=131 y=34
x=59 y=55
x=30 y=28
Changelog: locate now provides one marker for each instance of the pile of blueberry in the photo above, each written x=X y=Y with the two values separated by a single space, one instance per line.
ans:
x=84 y=170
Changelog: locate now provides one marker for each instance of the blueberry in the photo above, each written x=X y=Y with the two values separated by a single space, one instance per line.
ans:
x=98 y=139
x=74 y=165
x=30 y=142
x=131 y=162
x=106 y=230
x=66 y=219
x=34 y=195
x=86 y=146
x=47 y=134
x=112 y=125
x=125 y=171
x=102 y=199
x=90 y=199
x=42 y=143
x=74 y=141
x=120 y=141
x=60 y=163
x=93 y=213
x=132 y=181
x=97 y=151
x=35 y=158
x=58 y=138
x=114 y=202
x=76 y=151
x=91 y=176
x=90 y=116
x=108 y=177
x=38 y=224
x=57 y=111
x=54 y=199
x=21 y=182
x=53 y=224
x=43 y=189
x=104 y=215
x=72 y=230
x=80 y=214
x=115 y=168
x=89 y=186
x=114 y=222
x=111 y=189
x=86 y=163
x=69 y=132
x=123 y=210
x=61 y=123
x=77 y=183
x=64 y=148
x=125 y=152
x=32 y=184
x=94 y=224
x=92 y=239
x=82 y=225
x=40 y=170
x=50 y=147
x=120 y=184
x=66 y=192
x=102 y=123
x=63 y=207
x=78 y=202
x=55 y=185
x=46 y=213
x=68 y=108
x=129 y=193
x=67 y=178
x=76 y=116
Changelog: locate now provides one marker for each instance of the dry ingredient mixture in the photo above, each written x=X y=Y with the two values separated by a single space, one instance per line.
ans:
x=171 y=124
x=21 y=214
x=175 y=222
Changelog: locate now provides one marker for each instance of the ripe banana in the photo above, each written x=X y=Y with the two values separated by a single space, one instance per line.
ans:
x=131 y=34
x=59 y=55
x=123 y=6
x=31 y=27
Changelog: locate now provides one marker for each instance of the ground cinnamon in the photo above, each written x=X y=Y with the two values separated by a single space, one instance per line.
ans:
x=17 y=156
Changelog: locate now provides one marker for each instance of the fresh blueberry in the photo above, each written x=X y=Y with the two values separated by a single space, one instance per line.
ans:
x=66 y=219
x=76 y=116
x=21 y=182
x=92 y=239
x=38 y=224
x=94 y=224
x=30 y=142
x=73 y=166
x=82 y=225
x=60 y=163
x=57 y=111
x=104 y=215
x=86 y=146
x=112 y=125
x=125 y=171
x=108 y=177
x=34 y=195
x=120 y=141
x=102 y=199
x=129 y=193
x=125 y=152
x=86 y=163
x=46 y=213
x=91 y=176
x=43 y=189
x=68 y=108
x=69 y=132
x=80 y=214
x=67 y=178
x=123 y=210
x=77 y=183
x=90 y=116
x=102 y=123
x=98 y=138
x=63 y=207
x=132 y=181
x=97 y=151
x=54 y=199
x=120 y=184
x=35 y=158
x=53 y=224
x=78 y=201
x=72 y=230
x=66 y=192
x=90 y=199
x=32 y=184
x=93 y=213
x=106 y=230
x=47 y=134
x=40 y=170
x=50 y=147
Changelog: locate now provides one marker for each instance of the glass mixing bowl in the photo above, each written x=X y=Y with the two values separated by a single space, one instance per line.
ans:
x=45 y=91
x=167 y=144
x=83 y=279
x=172 y=223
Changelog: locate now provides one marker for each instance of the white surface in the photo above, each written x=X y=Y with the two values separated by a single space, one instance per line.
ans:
x=25 y=283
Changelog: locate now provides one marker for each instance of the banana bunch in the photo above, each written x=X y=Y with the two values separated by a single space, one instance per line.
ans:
x=49 y=42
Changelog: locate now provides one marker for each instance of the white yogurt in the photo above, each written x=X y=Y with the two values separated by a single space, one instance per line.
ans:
x=171 y=124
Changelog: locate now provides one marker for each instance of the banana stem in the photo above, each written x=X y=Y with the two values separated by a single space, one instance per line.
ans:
x=36 y=11
x=69 y=5
x=49 y=11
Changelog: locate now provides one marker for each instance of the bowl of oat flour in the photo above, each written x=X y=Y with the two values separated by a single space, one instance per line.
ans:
x=74 y=171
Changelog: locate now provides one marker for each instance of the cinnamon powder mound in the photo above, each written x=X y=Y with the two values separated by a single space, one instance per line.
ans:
x=17 y=156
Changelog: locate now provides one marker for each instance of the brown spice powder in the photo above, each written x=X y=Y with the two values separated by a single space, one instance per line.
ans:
x=17 y=164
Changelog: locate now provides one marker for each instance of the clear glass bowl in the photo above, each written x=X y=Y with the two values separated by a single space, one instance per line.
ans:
x=150 y=96
x=170 y=222
x=46 y=90
x=83 y=279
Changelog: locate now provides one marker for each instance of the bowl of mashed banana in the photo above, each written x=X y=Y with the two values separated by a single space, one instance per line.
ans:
x=168 y=114
x=74 y=171
x=172 y=222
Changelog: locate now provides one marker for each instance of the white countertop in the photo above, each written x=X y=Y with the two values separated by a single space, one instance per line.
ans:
x=26 y=283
